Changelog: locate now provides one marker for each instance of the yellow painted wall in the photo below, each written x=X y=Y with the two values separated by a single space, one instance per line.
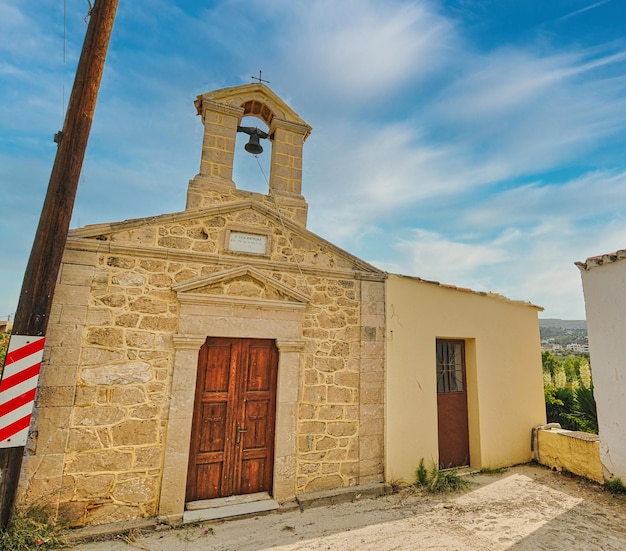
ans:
x=504 y=377
x=562 y=449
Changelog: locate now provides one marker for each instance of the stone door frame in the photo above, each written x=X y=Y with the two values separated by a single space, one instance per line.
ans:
x=238 y=317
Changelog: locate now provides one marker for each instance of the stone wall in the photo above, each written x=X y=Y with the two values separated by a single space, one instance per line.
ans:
x=104 y=399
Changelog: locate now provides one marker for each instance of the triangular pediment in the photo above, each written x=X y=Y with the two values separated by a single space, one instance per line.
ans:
x=146 y=232
x=256 y=99
x=245 y=283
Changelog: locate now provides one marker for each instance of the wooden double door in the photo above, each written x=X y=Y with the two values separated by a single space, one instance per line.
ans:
x=232 y=435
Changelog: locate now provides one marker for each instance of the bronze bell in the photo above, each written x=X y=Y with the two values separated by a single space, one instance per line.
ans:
x=253 y=146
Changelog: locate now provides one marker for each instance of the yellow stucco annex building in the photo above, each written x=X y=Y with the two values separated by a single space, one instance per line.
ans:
x=225 y=359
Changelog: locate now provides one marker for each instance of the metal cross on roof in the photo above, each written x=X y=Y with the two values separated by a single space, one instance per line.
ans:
x=260 y=78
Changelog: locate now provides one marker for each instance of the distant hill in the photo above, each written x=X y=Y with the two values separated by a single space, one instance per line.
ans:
x=563 y=324
x=563 y=332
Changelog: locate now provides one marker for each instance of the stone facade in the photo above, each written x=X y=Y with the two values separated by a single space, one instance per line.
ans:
x=136 y=300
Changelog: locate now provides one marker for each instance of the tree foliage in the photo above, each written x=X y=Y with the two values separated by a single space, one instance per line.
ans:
x=4 y=345
x=568 y=392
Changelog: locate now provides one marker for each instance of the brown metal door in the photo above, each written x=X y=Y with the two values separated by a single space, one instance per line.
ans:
x=232 y=435
x=452 y=404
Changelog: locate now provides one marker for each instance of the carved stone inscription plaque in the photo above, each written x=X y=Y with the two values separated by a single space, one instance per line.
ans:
x=247 y=243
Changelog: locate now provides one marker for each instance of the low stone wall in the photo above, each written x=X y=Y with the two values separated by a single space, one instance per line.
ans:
x=573 y=451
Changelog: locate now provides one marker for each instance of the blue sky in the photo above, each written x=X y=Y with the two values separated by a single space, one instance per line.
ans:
x=474 y=142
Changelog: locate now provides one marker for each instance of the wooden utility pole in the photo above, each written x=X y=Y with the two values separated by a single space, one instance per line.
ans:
x=33 y=310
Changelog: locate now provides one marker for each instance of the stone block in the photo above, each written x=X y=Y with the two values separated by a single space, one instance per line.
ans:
x=371 y=447
x=127 y=320
x=159 y=280
x=372 y=379
x=85 y=258
x=65 y=335
x=324 y=483
x=312 y=427
x=73 y=274
x=123 y=262
x=307 y=411
x=371 y=427
x=99 y=316
x=347 y=378
x=72 y=314
x=73 y=513
x=158 y=323
x=329 y=364
x=50 y=466
x=372 y=411
x=373 y=350
x=325 y=443
x=372 y=319
x=342 y=428
x=341 y=395
x=144 y=235
x=55 y=396
x=51 y=426
x=371 y=470
x=113 y=300
x=82 y=439
x=372 y=395
x=149 y=305
x=99 y=461
x=135 y=432
x=146 y=411
x=369 y=365
x=118 y=374
x=140 y=339
x=148 y=458
x=135 y=491
x=91 y=416
x=55 y=374
x=331 y=412
x=99 y=356
x=109 y=337
x=350 y=470
x=151 y=265
x=76 y=295
x=104 y=512
x=94 y=486
x=127 y=395
x=315 y=394
x=85 y=396
x=373 y=291
x=330 y=468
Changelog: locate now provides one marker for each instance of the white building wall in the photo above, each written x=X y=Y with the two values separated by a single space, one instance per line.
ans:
x=604 y=287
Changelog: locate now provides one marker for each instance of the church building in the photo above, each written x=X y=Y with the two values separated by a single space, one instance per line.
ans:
x=225 y=358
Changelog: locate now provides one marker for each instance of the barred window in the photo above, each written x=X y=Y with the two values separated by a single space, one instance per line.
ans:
x=450 y=366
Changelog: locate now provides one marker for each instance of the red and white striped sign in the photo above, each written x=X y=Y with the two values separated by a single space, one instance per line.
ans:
x=18 y=388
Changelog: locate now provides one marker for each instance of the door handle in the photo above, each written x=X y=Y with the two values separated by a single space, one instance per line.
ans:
x=239 y=431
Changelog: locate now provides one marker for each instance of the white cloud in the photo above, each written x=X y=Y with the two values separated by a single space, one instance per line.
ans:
x=364 y=49
x=417 y=131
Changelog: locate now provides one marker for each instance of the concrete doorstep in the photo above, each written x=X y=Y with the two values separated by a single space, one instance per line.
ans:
x=232 y=507
x=343 y=495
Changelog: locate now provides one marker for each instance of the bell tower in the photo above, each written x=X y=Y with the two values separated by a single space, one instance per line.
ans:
x=222 y=112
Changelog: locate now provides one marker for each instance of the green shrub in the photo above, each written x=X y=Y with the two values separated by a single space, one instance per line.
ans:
x=437 y=481
x=29 y=530
x=615 y=486
x=421 y=474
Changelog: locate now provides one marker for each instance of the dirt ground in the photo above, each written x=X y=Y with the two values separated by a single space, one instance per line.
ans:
x=525 y=508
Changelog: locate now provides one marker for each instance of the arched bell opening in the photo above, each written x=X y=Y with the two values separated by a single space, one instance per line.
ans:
x=253 y=153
